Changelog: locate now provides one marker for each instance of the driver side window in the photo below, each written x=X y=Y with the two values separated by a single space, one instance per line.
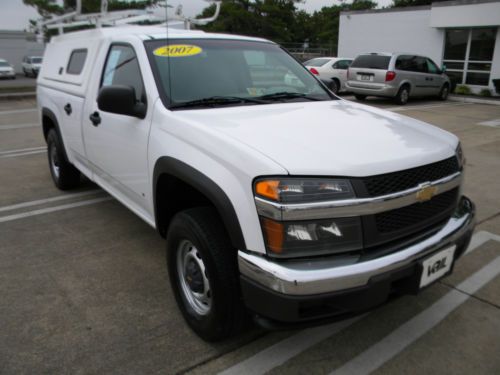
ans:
x=431 y=67
x=122 y=68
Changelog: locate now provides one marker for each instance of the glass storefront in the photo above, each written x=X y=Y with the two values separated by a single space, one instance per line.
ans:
x=468 y=54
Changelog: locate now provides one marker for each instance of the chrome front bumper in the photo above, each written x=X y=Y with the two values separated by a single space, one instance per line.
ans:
x=311 y=277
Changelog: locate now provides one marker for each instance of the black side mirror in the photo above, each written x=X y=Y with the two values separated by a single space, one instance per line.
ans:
x=121 y=100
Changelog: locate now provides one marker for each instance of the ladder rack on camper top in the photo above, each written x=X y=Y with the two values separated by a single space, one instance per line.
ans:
x=155 y=13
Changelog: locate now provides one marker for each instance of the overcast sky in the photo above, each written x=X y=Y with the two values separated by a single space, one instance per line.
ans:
x=14 y=15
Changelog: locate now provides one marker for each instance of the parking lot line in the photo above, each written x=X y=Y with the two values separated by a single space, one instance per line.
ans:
x=47 y=200
x=19 y=126
x=10 y=112
x=374 y=357
x=22 y=154
x=480 y=238
x=492 y=123
x=41 y=211
x=286 y=349
x=23 y=150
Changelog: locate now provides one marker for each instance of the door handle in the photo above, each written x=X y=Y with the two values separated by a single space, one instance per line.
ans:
x=95 y=118
x=68 y=109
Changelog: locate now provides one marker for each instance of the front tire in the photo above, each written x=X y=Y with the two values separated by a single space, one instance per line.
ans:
x=403 y=95
x=203 y=271
x=64 y=174
x=445 y=91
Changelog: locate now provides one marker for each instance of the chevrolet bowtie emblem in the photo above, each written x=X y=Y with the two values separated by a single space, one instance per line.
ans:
x=426 y=192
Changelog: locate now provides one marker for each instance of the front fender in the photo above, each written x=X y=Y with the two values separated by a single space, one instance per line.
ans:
x=196 y=179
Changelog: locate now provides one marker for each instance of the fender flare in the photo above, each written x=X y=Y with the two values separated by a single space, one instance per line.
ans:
x=48 y=113
x=202 y=183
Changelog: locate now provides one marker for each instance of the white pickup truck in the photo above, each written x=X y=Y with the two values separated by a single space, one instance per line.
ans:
x=277 y=199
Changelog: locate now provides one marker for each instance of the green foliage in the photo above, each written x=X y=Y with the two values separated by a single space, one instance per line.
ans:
x=485 y=92
x=462 y=90
x=411 y=3
x=45 y=7
x=93 y=6
x=281 y=21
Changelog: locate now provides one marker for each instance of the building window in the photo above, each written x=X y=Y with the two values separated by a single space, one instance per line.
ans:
x=468 y=54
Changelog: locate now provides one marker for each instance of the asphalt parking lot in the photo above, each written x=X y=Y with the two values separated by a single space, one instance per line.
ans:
x=83 y=282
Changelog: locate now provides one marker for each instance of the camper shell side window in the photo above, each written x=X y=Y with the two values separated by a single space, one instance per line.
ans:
x=76 y=61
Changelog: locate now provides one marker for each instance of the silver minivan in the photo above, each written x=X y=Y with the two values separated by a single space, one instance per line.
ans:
x=396 y=75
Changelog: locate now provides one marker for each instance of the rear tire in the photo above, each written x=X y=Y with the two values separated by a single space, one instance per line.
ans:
x=64 y=174
x=403 y=95
x=445 y=91
x=334 y=86
x=360 y=97
x=203 y=271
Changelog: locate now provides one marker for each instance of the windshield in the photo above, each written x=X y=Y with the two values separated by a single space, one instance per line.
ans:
x=371 y=62
x=4 y=64
x=228 y=70
x=36 y=60
x=316 y=62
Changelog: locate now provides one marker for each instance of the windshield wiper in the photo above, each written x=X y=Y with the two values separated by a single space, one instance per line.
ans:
x=217 y=100
x=287 y=95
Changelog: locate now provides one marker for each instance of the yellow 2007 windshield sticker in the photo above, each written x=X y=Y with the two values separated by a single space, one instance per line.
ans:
x=178 y=50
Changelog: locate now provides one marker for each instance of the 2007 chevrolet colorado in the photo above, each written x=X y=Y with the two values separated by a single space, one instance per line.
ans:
x=273 y=194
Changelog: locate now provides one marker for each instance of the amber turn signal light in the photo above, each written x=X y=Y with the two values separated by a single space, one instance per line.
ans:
x=274 y=234
x=268 y=189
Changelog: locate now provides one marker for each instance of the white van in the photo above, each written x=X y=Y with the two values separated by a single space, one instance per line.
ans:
x=31 y=65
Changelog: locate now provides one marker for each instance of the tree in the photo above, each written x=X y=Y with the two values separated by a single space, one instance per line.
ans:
x=45 y=7
x=281 y=21
x=408 y=3
x=273 y=19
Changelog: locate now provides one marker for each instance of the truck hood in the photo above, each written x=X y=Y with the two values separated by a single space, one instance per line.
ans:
x=330 y=138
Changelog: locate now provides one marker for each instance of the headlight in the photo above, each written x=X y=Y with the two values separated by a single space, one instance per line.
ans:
x=305 y=190
x=290 y=239
x=460 y=156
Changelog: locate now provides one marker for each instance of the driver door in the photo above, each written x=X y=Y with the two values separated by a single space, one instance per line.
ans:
x=116 y=145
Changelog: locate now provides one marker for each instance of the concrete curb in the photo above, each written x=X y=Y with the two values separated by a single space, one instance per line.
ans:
x=466 y=99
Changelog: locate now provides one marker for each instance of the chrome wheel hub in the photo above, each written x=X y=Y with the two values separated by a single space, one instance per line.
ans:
x=404 y=96
x=54 y=161
x=193 y=278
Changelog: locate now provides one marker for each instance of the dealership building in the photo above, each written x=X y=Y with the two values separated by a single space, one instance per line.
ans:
x=462 y=35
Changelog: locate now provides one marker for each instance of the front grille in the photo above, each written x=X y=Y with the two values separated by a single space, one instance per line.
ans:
x=417 y=213
x=397 y=181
